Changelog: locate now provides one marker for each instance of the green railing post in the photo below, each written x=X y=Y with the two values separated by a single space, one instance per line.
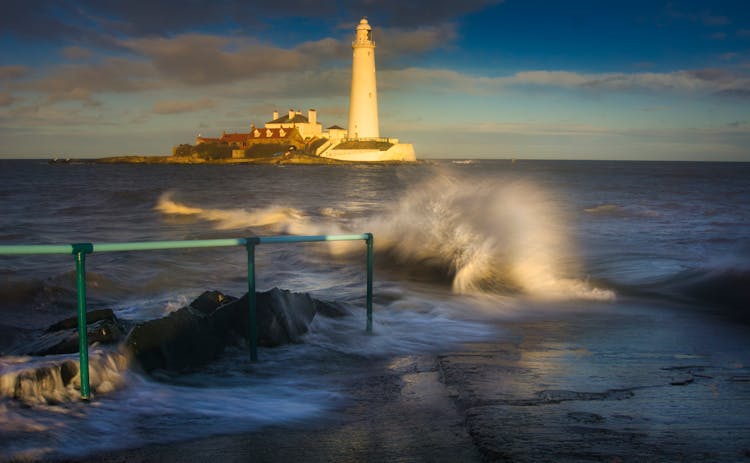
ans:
x=79 y=252
x=369 y=281
x=252 y=337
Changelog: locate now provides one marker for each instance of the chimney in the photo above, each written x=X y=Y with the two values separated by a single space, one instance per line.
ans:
x=275 y=115
x=312 y=116
x=291 y=115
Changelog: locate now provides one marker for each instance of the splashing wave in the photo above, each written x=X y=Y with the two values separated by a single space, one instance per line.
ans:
x=484 y=237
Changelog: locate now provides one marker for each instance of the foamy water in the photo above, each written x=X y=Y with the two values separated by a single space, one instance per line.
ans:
x=486 y=236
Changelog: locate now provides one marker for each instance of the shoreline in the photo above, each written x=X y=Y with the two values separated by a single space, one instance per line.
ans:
x=545 y=389
x=286 y=159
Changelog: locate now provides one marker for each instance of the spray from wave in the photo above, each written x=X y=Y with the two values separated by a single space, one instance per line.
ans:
x=489 y=236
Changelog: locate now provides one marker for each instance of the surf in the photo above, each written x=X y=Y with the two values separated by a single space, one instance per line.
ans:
x=486 y=236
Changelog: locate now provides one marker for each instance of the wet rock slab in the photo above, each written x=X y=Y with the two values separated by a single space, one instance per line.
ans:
x=545 y=396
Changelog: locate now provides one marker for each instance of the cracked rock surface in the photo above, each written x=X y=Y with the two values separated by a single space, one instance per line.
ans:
x=581 y=390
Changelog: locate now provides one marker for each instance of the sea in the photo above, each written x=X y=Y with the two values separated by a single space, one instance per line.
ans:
x=463 y=249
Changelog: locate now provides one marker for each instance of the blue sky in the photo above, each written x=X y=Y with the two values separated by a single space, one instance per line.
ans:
x=499 y=79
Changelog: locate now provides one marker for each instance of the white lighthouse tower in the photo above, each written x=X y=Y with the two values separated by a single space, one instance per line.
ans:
x=363 y=103
x=364 y=142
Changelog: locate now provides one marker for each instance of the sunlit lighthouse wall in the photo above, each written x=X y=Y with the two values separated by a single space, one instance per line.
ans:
x=363 y=103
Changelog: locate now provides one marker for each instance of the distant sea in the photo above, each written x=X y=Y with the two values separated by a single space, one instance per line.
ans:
x=461 y=248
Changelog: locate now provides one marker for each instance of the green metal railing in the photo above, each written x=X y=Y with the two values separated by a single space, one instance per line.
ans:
x=80 y=250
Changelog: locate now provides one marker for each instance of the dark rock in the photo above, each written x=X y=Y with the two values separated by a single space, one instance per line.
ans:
x=62 y=337
x=283 y=316
x=199 y=332
x=183 y=338
x=192 y=335
x=68 y=371
x=682 y=381
x=331 y=309
x=91 y=317
x=207 y=302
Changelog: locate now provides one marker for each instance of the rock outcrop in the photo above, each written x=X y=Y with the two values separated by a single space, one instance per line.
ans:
x=62 y=337
x=199 y=332
x=192 y=335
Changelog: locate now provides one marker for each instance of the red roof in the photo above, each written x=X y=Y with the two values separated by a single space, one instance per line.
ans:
x=207 y=140
x=235 y=137
x=255 y=134
x=259 y=133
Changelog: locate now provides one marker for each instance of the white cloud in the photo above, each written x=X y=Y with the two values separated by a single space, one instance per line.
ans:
x=710 y=81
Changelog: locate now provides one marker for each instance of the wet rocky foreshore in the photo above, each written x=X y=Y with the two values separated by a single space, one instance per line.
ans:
x=593 y=387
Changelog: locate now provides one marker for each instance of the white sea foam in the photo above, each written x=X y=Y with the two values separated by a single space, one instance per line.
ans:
x=490 y=236
x=39 y=380
x=485 y=236
x=228 y=219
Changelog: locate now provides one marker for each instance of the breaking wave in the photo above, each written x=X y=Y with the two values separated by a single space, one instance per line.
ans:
x=488 y=236
x=491 y=236
x=56 y=379
x=228 y=219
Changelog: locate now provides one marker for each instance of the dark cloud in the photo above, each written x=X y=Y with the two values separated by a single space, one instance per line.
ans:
x=51 y=20
x=399 y=13
x=81 y=82
x=101 y=22
x=176 y=106
x=394 y=42
x=76 y=53
x=6 y=99
x=196 y=59
x=34 y=19
x=142 y=17
x=711 y=74
x=320 y=66
x=12 y=72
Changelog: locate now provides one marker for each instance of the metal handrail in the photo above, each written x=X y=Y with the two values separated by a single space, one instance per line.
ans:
x=80 y=250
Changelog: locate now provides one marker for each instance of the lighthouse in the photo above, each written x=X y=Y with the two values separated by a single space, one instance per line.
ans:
x=363 y=102
x=363 y=142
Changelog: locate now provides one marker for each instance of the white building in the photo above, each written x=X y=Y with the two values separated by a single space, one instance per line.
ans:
x=307 y=126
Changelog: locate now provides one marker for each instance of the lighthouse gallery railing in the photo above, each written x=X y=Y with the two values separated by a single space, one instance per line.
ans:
x=80 y=250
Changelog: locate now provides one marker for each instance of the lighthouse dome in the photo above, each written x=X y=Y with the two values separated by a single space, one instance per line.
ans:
x=364 y=25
